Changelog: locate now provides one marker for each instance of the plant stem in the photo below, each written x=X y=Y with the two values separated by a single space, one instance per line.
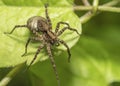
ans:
x=93 y=9
x=110 y=9
x=95 y=6
x=86 y=2
x=112 y=3
x=90 y=13
x=10 y=75
x=100 y=8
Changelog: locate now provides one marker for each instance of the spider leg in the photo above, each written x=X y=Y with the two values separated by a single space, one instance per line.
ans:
x=37 y=52
x=68 y=49
x=47 y=16
x=65 y=28
x=58 y=26
x=48 y=46
x=28 y=41
x=17 y=26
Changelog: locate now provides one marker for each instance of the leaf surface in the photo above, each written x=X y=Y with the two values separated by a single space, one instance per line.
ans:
x=13 y=45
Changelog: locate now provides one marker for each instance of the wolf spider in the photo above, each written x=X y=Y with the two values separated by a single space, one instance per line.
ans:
x=42 y=30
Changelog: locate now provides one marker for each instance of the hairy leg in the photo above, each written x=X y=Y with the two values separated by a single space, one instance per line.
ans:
x=53 y=62
x=17 y=26
x=58 y=26
x=37 y=52
x=47 y=17
x=68 y=50
x=65 y=28
x=28 y=41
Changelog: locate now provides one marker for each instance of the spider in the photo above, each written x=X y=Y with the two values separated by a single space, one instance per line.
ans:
x=42 y=30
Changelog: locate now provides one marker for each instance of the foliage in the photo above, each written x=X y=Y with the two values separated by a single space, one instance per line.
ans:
x=95 y=57
x=13 y=45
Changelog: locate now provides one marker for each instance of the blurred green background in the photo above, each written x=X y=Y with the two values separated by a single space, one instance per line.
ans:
x=95 y=58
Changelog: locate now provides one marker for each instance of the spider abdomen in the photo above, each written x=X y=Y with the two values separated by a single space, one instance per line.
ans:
x=37 y=23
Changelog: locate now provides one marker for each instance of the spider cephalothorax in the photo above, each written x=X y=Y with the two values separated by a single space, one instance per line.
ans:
x=42 y=30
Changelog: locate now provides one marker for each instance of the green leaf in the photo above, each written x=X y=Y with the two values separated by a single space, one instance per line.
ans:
x=13 y=45
x=97 y=65
x=37 y=2
x=91 y=65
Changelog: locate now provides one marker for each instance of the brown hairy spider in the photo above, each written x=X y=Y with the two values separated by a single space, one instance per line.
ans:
x=42 y=30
